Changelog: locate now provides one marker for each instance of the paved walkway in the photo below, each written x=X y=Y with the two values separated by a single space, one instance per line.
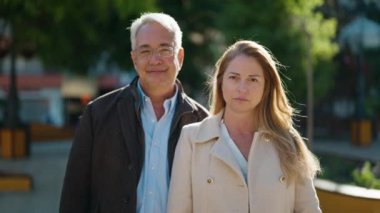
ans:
x=46 y=166
x=48 y=160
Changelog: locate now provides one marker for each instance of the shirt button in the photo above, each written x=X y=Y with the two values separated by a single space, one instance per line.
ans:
x=210 y=180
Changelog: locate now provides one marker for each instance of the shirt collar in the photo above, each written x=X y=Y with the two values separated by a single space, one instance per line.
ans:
x=169 y=104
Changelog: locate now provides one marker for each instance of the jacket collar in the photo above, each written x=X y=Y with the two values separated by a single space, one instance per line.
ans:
x=129 y=108
x=183 y=104
x=209 y=128
x=132 y=96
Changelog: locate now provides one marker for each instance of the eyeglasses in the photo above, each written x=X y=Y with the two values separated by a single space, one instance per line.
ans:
x=146 y=53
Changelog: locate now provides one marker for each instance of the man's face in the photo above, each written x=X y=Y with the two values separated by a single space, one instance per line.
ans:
x=155 y=59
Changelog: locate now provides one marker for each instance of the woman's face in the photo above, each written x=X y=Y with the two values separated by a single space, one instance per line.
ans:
x=243 y=84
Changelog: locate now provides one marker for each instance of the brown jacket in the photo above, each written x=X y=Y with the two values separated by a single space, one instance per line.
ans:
x=207 y=178
x=106 y=158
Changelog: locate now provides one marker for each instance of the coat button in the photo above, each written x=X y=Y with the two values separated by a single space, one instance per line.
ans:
x=210 y=180
x=282 y=179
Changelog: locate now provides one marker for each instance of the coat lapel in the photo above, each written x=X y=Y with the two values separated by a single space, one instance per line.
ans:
x=210 y=129
x=221 y=151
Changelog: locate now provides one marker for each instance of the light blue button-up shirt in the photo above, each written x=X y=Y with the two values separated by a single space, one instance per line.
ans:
x=152 y=189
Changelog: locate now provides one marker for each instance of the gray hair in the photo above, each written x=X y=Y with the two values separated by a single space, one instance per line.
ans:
x=163 y=19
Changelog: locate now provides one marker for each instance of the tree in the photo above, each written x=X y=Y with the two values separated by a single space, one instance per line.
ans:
x=71 y=35
x=67 y=35
x=282 y=26
x=201 y=39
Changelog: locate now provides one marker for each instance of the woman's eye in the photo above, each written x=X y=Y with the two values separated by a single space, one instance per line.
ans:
x=232 y=77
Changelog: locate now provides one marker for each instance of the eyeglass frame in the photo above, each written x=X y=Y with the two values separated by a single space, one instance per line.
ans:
x=152 y=51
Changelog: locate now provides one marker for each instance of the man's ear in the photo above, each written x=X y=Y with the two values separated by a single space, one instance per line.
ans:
x=181 y=56
x=134 y=58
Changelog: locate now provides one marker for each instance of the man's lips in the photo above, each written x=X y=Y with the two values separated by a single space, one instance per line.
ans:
x=156 y=71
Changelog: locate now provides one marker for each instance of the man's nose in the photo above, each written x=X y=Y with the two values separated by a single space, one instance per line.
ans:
x=155 y=58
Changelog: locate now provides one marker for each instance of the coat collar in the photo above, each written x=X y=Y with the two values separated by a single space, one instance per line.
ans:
x=209 y=128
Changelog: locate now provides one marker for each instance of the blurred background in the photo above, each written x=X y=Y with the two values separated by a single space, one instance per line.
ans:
x=56 y=56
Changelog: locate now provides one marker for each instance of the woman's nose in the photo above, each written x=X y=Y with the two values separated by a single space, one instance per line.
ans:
x=242 y=87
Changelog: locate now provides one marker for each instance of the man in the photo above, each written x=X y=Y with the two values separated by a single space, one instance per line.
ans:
x=122 y=153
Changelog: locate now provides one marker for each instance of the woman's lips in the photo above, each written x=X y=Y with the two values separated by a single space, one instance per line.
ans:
x=240 y=99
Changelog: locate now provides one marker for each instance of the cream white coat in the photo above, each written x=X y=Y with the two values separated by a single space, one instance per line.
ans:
x=206 y=177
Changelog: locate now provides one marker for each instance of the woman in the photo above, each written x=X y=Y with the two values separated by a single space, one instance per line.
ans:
x=246 y=157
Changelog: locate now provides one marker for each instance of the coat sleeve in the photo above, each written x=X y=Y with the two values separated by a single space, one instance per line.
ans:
x=180 y=191
x=76 y=193
x=306 y=199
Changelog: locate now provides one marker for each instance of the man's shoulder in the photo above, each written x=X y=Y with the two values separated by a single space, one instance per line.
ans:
x=106 y=105
x=112 y=96
x=196 y=106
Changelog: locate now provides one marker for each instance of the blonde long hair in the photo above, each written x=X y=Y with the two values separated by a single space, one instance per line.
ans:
x=275 y=112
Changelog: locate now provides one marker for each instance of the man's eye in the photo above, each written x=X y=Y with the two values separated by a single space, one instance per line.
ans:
x=166 y=52
x=145 y=52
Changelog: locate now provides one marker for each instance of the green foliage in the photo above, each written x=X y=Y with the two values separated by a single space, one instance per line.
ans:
x=201 y=39
x=281 y=25
x=336 y=168
x=364 y=177
x=285 y=27
x=71 y=34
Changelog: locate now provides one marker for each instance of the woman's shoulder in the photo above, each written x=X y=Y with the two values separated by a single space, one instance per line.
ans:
x=208 y=121
x=203 y=130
